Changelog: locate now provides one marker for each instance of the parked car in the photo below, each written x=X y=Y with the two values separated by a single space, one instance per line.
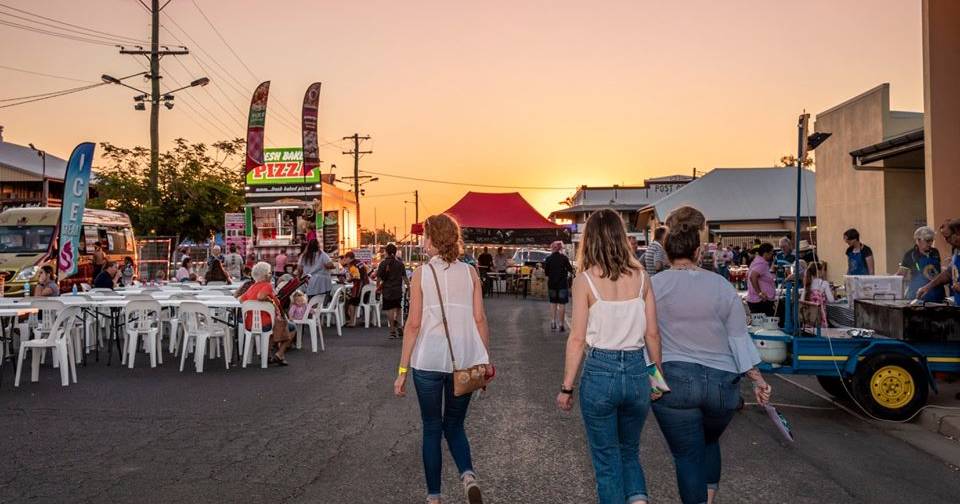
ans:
x=530 y=257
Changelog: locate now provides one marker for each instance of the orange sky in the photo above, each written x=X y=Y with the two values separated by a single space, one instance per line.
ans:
x=513 y=93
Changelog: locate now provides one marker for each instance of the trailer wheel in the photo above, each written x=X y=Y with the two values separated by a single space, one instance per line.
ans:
x=891 y=386
x=835 y=386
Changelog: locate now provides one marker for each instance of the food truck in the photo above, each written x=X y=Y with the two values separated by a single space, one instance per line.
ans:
x=284 y=206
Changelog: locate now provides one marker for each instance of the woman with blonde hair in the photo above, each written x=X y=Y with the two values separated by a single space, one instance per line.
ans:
x=614 y=320
x=445 y=297
x=706 y=351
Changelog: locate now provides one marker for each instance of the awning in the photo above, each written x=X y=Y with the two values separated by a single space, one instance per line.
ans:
x=899 y=145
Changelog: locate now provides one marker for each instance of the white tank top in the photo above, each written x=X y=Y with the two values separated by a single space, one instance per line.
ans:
x=430 y=352
x=616 y=325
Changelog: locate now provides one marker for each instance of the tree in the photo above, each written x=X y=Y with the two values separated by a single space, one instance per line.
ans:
x=197 y=185
x=383 y=236
x=791 y=160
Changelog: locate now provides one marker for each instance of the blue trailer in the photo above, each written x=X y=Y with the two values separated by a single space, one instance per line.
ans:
x=888 y=377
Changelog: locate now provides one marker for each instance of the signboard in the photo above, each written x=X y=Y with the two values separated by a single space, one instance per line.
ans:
x=363 y=255
x=491 y=236
x=233 y=231
x=75 y=191
x=331 y=233
x=281 y=166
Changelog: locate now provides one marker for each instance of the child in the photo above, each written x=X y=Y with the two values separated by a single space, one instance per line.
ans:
x=817 y=291
x=298 y=309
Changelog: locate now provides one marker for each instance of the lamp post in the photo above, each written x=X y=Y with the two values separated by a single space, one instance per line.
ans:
x=805 y=144
x=155 y=99
x=46 y=184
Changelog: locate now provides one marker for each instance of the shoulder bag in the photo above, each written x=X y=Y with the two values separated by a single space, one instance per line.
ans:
x=465 y=381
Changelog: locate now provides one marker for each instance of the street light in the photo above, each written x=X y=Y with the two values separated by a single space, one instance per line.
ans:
x=46 y=184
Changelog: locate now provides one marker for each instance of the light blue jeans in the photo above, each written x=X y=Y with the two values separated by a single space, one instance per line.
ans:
x=614 y=401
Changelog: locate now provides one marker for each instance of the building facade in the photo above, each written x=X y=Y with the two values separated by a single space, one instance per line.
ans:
x=22 y=174
x=626 y=200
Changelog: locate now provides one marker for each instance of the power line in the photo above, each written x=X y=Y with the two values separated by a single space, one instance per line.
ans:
x=75 y=38
x=31 y=72
x=112 y=35
x=68 y=30
x=209 y=69
x=47 y=97
x=61 y=91
x=280 y=104
x=468 y=184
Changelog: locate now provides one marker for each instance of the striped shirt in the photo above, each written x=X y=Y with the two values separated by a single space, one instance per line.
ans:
x=654 y=254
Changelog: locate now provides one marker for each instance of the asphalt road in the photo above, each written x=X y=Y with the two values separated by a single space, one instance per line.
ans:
x=327 y=429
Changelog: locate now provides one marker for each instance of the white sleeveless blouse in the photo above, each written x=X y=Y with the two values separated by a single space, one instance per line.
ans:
x=616 y=325
x=430 y=352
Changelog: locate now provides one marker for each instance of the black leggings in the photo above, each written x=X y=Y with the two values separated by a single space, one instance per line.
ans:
x=764 y=307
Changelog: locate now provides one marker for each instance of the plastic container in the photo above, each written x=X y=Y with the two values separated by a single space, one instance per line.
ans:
x=771 y=351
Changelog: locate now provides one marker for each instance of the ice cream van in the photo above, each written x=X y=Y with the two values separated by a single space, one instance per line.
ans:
x=28 y=241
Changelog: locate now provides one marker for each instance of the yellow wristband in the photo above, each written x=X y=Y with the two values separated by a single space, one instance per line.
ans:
x=402 y=370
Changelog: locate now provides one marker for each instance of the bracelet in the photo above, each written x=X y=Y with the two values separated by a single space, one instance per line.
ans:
x=401 y=370
x=568 y=391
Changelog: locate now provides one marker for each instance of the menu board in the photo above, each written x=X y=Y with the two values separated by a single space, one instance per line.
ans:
x=331 y=233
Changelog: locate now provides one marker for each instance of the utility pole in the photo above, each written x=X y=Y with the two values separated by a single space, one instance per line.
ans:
x=356 y=153
x=154 y=54
x=416 y=205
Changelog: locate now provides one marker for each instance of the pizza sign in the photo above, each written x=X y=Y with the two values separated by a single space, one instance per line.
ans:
x=282 y=166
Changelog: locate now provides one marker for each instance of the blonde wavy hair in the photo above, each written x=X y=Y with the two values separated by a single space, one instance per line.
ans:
x=605 y=246
x=444 y=234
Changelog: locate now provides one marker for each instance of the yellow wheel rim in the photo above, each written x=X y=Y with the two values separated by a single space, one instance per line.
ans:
x=892 y=387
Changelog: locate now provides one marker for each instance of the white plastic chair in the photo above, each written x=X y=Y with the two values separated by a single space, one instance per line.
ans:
x=199 y=329
x=256 y=309
x=59 y=342
x=368 y=305
x=40 y=323
x=311 y=321
x=333 y=310
x=142 y=318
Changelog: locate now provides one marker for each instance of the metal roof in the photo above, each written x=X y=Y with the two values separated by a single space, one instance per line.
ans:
x=905 y=142
x=25 y=160
x=743 y=194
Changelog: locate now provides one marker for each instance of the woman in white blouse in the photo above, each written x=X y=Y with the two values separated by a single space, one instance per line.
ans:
x=615 y=325
x=426 y=355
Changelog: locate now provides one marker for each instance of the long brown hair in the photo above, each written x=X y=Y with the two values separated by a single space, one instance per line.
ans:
x=605 y=246
x=444 y=234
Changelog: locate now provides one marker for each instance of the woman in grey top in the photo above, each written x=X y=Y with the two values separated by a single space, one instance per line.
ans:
x=317 y=264
x=706 y=351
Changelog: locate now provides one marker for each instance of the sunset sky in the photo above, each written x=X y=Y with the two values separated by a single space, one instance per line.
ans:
x=511 y=93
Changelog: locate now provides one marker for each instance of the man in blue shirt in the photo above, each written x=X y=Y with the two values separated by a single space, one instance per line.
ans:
x=107 y=278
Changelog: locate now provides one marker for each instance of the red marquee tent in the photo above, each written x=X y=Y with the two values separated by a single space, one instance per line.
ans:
x=501 y=218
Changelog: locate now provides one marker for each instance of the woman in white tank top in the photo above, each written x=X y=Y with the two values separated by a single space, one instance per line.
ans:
x=426 y=354
x=614 y=320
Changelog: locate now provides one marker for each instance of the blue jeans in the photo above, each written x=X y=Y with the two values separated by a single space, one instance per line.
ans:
x=692 y=417
x=443 y=416
x=614 y=401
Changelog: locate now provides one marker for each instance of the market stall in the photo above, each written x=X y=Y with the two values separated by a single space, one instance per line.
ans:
x=285 y=206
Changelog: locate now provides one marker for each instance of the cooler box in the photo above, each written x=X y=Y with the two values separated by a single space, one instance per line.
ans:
x=873 y=287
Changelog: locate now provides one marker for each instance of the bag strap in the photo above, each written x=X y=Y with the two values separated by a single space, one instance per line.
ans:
x=443 y=316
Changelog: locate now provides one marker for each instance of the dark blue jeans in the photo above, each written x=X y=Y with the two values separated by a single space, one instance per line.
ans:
x=692 y=417
x=443 y=416
x=614 y=401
